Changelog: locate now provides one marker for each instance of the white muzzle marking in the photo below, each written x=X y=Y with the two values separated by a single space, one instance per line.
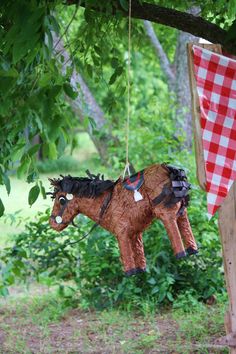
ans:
x=58 y=219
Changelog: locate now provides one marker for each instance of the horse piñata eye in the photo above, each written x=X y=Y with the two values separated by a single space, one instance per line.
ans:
x=62 y=200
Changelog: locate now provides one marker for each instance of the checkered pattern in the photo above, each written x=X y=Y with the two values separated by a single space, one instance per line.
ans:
x=216 y=86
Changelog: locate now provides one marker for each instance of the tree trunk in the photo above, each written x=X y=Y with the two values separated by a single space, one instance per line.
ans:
x=177 y=81
x=85 y=104
x=182 y=90
x=164 y=61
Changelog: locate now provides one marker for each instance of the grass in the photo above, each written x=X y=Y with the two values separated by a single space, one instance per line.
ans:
x=39 y=322
x=17 y=207
x=202 y=326
x=16 y=204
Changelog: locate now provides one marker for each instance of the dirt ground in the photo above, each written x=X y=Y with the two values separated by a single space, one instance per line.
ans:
x=88 y=332
x=36 y=321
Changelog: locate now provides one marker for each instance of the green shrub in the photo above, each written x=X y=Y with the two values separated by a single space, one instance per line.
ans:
x=93 y=264
x=94 y=267
x=62 y=165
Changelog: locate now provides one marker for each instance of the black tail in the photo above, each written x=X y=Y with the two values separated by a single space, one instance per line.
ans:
x=177 y=192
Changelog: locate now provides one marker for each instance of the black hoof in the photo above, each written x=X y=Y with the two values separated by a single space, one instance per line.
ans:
x=180 y=255
x=135 y=271
x=140 y=270
x=191 y=251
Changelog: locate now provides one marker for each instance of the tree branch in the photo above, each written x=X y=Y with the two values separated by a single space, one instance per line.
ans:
x=164 y=61
x=85 y=104
x=183 y=21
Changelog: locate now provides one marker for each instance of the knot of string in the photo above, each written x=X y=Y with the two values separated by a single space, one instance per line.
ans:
x=128 y=93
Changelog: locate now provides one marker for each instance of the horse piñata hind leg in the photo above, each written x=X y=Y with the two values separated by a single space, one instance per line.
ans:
x=169 y=220
x=126 y=253
x=187 y=234
x=138 y=251
x=170 y=206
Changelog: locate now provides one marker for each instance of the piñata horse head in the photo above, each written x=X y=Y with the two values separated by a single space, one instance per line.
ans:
x=162 y=193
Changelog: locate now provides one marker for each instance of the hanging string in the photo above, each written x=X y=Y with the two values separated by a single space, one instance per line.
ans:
x=128 y=96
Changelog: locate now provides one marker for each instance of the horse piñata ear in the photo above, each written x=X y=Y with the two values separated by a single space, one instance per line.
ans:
x=55 y=182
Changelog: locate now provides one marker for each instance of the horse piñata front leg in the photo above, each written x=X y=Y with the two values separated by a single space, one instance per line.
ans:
x=126 y=253
x=138 y=252
x=170 y=222
x=187 y=234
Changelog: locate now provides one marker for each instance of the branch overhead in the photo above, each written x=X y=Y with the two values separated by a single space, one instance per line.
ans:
x=183 y=21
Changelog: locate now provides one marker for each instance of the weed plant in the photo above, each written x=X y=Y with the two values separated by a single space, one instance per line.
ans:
x=93 y=268
x=45 y=318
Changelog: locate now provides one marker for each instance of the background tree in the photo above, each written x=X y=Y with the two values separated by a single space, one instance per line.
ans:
x=176 y=74
x=33 y=85
x=84 y=104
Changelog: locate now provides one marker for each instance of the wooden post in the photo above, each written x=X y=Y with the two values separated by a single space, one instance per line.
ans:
x=201 y=174
x=227 y=212
x=227 y=224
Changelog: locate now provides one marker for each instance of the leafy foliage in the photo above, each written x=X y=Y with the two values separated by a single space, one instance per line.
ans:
x=32 y=91
x=62 y=165
x=93 y=264
x=33 y=85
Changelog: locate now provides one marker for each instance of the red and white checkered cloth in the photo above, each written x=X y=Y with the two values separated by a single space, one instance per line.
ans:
x=216 y=86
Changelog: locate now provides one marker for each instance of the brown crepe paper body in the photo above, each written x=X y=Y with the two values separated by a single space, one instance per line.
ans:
x=114 y=208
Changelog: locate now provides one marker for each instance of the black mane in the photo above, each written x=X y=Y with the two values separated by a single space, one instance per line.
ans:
x=88 y=187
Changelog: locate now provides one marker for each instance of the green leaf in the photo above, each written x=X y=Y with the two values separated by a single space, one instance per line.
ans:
x=92 y=123
x=33 y=149
x=98 y=50
x=124 y=4
x=24 y=167
x=3 y=291
x=52 y=151
x=170 y=296
x=152 y=281
x=6 y=84
x=53 y=22
x=12 y=72
x=89 y=69
x=155 y=290
x=54 y=91
x=16 y=271
x=49 y=41
x=112 y=78
x=22 y=47
x=231 y=34
x=45 y=80
x=114 y=62
x=39 y=123
x=18 y=152
x=62 y=142
x=88 y=15
x=117 y=73
x=42 y=190
x=69 y=91
x=46 y=53
x=10 y=279
x=162 y=295
x=7 y=183
x=86 y=122
x=33 y=194
x=119 y=70
x=32 y=177
x=2 y=208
